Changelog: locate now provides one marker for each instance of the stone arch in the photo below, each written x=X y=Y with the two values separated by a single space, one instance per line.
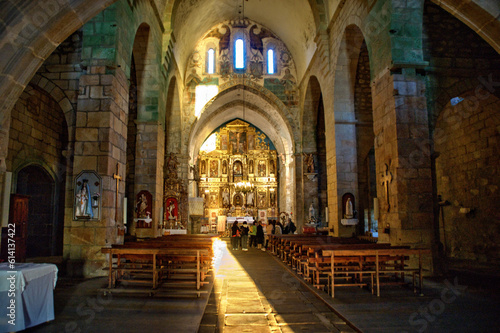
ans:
x=262 y=98
x=477 y=16
x=144 y=57
x=260 y=112
x=314 y=189
x=346 y=177
x=60 y=97
x=320 y=12
x=173 y=135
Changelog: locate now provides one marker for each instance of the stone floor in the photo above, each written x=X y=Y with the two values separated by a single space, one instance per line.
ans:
x=254 y=292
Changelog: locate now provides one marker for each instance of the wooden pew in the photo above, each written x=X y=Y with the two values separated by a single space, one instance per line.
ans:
x=157 y=261
x=376 y=263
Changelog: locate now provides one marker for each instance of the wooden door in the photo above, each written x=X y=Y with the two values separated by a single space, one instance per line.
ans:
x=18 y=221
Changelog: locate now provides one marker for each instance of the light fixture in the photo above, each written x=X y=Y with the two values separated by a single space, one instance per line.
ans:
x=244 y=187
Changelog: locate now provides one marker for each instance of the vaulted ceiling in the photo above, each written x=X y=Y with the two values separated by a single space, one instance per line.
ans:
x=293 y=21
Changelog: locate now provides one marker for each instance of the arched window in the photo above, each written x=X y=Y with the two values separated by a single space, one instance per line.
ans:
x=239 y=62
x=211 y=61
x=270 y=61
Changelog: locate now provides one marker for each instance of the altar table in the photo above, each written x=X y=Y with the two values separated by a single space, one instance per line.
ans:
x=26 y=295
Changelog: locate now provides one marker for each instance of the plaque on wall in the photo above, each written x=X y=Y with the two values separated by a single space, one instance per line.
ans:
x=87 y=199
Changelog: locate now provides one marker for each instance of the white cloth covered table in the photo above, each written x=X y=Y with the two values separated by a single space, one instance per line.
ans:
x=26 y=295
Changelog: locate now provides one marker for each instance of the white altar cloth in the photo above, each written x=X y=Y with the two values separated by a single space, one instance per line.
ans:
x=26 y=295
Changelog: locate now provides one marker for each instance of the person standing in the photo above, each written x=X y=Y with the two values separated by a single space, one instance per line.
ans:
x=253 y=236
x=235 y=235
x=244 y=236
x=269 y=232
x=278 y=228
x=260 y=236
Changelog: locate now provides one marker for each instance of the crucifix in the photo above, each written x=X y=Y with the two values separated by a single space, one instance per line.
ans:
x=386 y=180
x=118 y=178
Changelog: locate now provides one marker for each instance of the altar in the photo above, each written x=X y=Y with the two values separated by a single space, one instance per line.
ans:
x=26 y=295
x=230 y=220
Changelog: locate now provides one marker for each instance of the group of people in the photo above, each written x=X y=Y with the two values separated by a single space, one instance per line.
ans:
x=254 y=235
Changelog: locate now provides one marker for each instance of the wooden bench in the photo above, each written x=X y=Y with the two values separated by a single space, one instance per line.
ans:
x=376 y=263
x=168 y=260
x=149 y=266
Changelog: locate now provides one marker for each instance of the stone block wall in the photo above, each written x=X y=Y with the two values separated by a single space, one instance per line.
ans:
x=465 y=135
x=38 y=131
x=468 y=177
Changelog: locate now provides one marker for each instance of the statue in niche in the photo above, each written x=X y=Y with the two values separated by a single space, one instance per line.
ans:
x=262 y=200
x=203 y=167
x=250 y=198
x=349 y=211
x=250 y=166
x=272 y=169
x=214 y=168
x=83 y=203
x=237 y=168
x=238 y=200
x=224 y=167
x=348 y=206
x=142 y=205
x=225 y=197
x=262 y=169
x=312 y=213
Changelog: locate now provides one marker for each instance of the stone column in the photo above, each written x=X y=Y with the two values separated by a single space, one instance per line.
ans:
x=300 y=215
x=402 y=143
x=100 y=145
x=149 y=170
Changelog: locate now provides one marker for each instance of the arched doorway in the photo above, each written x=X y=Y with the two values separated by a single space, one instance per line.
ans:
x=44 y=230
x=238 y=173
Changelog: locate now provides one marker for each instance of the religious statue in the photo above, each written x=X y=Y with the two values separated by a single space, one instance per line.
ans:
x=250 y=166
x=203 y=167
x=250 y=198
x=171 y=212
x=225 y=197
x=262 y=169
x=237 y=168
x=349 y=211
x=271 y=167
x=311 y=212
x=224 y=167
x=83 y=204
x=309 y=162
x=142 y=205
x=214 y=168
x=172 y=164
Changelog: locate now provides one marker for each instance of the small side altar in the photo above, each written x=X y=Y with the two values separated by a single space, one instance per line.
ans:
x=174 y=231
x=349 y=221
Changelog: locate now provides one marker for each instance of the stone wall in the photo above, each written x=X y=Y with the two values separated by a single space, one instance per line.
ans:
x=465 y=135
x=468 y=177
x=38 y=132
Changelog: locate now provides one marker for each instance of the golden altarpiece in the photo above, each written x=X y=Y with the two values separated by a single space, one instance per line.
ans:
x=238 y=168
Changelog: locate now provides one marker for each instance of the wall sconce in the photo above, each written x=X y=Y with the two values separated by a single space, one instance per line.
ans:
x=387 y=229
